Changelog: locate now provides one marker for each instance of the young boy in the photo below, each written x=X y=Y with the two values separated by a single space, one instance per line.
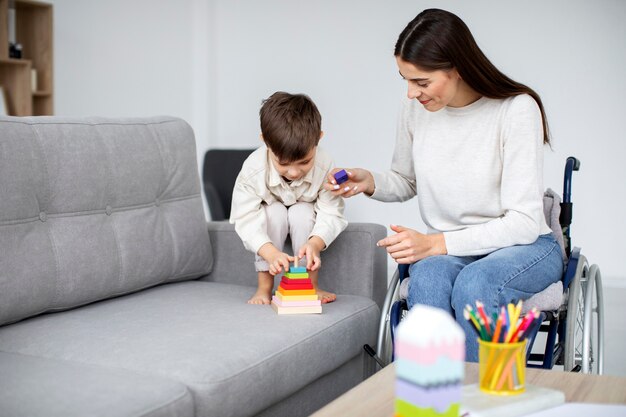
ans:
x=279 y=191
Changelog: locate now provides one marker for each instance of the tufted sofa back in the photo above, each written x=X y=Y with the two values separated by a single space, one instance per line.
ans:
x=93 y=208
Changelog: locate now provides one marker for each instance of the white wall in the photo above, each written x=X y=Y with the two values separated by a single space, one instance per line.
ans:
x=341 y=54
x=212 y=62
x=134 y=58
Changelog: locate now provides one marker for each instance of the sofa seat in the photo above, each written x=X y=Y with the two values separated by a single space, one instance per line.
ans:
x=205 y=336
x=32 y=386
x=108 y=266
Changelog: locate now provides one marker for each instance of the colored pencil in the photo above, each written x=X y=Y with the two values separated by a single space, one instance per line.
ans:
x=467 y=314
x=481 y=310
x=496 y=332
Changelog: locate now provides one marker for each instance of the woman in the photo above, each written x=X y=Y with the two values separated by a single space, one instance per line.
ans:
x=470 y=146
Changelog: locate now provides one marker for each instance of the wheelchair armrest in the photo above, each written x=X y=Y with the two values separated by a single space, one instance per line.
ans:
x=403 y=271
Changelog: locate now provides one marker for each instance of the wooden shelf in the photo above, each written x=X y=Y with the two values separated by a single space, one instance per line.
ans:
x=13 y=61
x=33 y=30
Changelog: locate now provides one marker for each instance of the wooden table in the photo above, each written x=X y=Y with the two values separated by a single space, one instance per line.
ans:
x=374 y=397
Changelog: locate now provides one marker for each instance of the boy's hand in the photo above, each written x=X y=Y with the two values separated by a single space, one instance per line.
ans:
x=311 y=249
x=359 y=181
x=276 y=259
x=278 y=262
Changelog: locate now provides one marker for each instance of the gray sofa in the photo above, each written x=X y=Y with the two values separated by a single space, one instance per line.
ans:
x=117 y=299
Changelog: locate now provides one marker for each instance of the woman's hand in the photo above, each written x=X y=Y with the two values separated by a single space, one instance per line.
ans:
x=359 y=181
x=408 y=246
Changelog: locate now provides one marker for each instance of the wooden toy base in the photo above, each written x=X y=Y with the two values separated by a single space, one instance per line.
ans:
x=297 y=310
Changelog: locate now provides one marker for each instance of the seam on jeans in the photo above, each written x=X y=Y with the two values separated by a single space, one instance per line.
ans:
x=530 y=265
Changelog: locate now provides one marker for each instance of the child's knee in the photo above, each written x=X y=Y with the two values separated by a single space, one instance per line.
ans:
x=276 y=211
x=277 y=220
x=301 y=218
x=301 y=213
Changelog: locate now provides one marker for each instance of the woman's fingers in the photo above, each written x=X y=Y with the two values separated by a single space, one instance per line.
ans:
x=331 y=175
x=346 y=189
x=397 y=228
x=391 y=241
x=408 y=260
x=400 y=253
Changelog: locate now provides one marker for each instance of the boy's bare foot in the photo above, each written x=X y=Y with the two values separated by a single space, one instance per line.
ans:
x=325 y=296
x=263 y=294
x=261 y=297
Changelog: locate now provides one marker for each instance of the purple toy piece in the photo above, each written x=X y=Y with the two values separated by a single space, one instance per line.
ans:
x=341 y=176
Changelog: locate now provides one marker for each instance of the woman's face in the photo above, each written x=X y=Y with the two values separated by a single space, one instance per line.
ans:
x=434 y=89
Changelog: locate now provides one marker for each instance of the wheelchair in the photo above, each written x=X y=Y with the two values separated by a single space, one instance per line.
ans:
x=572 y=334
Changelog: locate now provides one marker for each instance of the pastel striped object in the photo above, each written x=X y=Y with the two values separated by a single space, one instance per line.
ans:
x=406 y=409
x=444 y=371
x=429 y=350
x=439 y=399
x=429 y=354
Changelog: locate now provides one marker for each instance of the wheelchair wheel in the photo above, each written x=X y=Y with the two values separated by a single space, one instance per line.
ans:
x=384 y=345
x=584 y=330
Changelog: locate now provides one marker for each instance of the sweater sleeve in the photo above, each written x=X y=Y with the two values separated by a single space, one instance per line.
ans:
x=398 y=184
x=521 y=187
x=329 y=219
x=248 y=215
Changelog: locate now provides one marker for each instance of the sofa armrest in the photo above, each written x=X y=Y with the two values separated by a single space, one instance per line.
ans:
x=353 y=264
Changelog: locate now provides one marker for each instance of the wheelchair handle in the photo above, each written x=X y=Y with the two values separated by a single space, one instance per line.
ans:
x=571 y=164
x=565 y=218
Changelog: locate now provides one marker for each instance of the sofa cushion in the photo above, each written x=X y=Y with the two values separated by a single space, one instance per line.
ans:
x=354 y=250
x=206 y=336
x=32 y=386
x=93 y=208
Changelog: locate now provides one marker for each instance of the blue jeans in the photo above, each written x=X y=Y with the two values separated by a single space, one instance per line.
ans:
x=503 y=276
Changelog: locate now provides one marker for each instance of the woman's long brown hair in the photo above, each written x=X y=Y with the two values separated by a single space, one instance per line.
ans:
x=440 y=40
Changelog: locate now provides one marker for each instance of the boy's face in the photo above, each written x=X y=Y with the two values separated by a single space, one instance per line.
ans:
x=294 y=170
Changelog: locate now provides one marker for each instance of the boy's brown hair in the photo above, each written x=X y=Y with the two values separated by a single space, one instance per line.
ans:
x=291 y=125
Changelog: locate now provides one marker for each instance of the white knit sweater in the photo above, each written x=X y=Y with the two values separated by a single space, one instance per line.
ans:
x=477 y=171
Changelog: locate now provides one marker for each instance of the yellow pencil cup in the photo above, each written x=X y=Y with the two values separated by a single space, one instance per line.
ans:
x=502 y=367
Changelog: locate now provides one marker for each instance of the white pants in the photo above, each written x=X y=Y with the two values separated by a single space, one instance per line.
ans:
x=297 y=221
